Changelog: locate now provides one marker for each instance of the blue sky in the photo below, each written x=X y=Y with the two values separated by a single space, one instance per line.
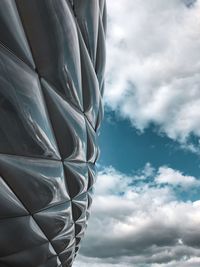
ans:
x=146 y=209
x=127 y=149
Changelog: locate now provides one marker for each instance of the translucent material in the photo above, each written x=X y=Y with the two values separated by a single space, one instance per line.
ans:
x=52 y=60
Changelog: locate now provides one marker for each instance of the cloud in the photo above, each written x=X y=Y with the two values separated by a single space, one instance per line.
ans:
x=135 y=223
x=153 y=65
x=170 y=176
x=90 y=262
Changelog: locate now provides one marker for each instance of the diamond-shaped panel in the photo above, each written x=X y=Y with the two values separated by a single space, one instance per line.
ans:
x=37 y=183
x=24 y=124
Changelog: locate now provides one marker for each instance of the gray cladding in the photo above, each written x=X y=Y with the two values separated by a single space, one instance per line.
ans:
x=52 y=60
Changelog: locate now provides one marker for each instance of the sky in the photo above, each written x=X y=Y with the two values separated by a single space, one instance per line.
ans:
x=146 y=207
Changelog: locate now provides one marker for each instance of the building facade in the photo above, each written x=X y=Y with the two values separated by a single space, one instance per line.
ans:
x=52 y=60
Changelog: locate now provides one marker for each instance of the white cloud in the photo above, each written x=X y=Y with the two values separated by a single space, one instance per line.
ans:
x=148 y=171
x=174 y=177
x=192 y=262
x=94 y=262
x=139 y=224
x=153 y=64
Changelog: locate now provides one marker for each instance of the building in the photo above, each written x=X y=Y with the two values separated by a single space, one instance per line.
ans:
x=52 y=59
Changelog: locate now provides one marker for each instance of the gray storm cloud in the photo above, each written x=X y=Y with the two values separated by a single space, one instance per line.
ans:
x=142 y=225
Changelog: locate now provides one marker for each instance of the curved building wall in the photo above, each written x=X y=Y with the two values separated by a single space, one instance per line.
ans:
x=52 y=59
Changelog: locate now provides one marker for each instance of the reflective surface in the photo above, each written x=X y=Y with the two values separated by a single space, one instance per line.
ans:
x=52 y=60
